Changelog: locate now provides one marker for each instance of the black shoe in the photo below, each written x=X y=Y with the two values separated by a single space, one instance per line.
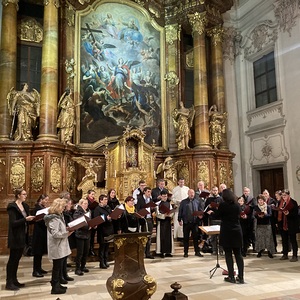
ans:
x=63 y=281
x=168 y=255
x=284 y=257
x=85 y=270
x=78 y=272
x=150 y=256
x=63 y=287
x=18 y=284
x=259 y=254
x=230 y=279
x=107 y=264
x=102 y=266
x=270 y=254
x=185 y=255
x=37 y=274
x=198 y=254
x=162 y=255
x=67 y=277
x=58 y=290
x=43 y=271
x=11 y=287
x=240 y=280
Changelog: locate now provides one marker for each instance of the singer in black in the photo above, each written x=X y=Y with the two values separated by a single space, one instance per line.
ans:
x=231 y=237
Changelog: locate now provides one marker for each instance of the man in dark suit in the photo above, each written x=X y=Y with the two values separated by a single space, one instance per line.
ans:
x=147 y=222
x=190 y=221
x=156 y=191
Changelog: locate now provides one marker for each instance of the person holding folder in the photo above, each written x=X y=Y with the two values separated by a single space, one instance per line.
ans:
x=129 y=221
x=83 y=235
x=104 y=230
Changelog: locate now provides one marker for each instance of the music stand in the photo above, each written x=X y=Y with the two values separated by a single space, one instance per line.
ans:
x=213 y=230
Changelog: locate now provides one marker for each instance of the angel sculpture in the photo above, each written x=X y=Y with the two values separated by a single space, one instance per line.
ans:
x=216 y=125
x=92 y=167
x=183 y=120
x=169 y=169
x=24 y=107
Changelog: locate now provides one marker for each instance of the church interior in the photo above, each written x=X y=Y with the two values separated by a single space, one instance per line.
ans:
x=100 y=94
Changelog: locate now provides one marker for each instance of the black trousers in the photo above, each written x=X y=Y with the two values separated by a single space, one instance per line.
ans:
x=83 y=247
x=286 y=238
x=13 y=264
x=56 y=270
x=149 y=229
x=238 y=259
x=187 y=228
x=37 y=263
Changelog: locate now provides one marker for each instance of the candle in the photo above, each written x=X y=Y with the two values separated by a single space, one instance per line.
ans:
x=105 y=175
x=115 y=175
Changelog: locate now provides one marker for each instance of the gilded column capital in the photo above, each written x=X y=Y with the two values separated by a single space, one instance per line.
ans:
x=172 y=33
x=55 y=2
x=198 y=22
x=6 y=2
x=216 y=34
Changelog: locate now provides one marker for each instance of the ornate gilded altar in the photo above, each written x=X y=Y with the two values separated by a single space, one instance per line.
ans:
x=129 y=161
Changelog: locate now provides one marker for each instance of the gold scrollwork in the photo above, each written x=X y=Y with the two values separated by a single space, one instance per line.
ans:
x=30 y=30
x=151 y=284
x=189 y=59
x=55 y=174
x=37 y=174
x=144 y=240
x=172 y=33
x=17 y=173
x=116 y=285
x=71 y=175
x=217 y=35
x=203 y=171
x=198 y=22
x=119 y=242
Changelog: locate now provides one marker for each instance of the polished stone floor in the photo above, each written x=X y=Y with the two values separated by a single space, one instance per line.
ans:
x=265 y=278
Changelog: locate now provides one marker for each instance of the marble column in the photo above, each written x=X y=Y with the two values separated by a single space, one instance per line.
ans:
x=218 y=92
x=8 y=62
x=49 y=79
x=172 y=76
x=198 y=22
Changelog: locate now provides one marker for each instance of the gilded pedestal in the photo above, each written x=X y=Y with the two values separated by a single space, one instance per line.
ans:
x=129 y=279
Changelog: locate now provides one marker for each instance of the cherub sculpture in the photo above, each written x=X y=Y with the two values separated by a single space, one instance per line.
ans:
x=183 y=120
x=24 y=107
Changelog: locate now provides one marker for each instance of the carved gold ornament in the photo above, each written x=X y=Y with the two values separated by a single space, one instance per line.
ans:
x=55 y=174
x=119 y=242
x=223 y=173
x=203 y=171
x=151 y=284
x=6 y=2
x=172 y=33
x=198 y=22
x=37 y=174
x=17 y=173
x=117 y=285
x=216 y=35
x=30 y=30
x=70 y=14
x=144 y=240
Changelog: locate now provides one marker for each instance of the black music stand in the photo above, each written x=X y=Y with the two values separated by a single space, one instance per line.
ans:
x=213 y=230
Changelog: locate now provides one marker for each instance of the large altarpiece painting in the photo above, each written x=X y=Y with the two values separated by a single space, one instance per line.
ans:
x=119 y=77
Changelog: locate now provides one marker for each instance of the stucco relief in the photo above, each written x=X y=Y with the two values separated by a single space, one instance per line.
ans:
x=286 y=12
x=268 y=149
x=259 y=38
x=231 y=43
